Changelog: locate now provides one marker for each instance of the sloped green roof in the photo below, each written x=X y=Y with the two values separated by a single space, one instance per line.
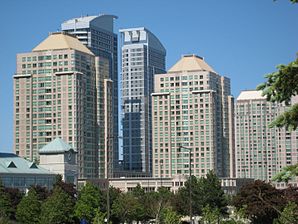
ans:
x=11 y=163
x=56 y=146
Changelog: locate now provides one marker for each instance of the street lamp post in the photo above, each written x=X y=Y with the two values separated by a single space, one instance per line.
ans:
x=190 y=190
x=108 y=181
x=108 y=175
x=161 y=163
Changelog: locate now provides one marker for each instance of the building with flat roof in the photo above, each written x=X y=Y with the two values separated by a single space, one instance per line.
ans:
x=143 y=56
x=192 y=119
x=127 y=184
x=97 y=33
x=16 y=172
x=55 y=96
x=261 y=152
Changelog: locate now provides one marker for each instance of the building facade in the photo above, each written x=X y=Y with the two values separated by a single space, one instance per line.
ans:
x=55 y=96
x=230 y=186
x=143 y=56
x=261 y=151
x=96 y=32
x=192 y=120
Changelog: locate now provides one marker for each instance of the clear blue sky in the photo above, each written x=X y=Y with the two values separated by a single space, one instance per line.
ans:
x=240 y=39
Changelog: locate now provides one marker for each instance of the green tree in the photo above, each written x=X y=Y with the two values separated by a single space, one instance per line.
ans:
x=287 y=174
x=68 y=188
x=138 y=191
x=57 y=208
x=125 y=207
x=5 y=206
x=204 y=191
x=9 y=199
x=211 y=216
x=114 y=194
x=169 y=216
x=42 y=192
x=28 y=209
x=181 y=201
x=99 y=217
x=141 y=210
x=88 y=202
x=289 y=214
x=280 y=87
x=212 y=193
x=262 y=202
x=156 y=202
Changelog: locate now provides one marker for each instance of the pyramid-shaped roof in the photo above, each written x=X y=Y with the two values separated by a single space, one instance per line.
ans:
x=191 y=63
x=60 y=41
x=56 y=146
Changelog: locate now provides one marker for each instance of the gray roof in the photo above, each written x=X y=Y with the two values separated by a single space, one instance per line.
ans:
x=11 y=163
x=103 y=21
x=56 y=146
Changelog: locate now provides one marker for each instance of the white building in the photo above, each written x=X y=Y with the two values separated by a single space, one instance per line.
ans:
x=261 y=152
x=60 y=158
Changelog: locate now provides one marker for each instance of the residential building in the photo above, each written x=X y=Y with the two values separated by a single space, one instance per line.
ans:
x=55 y=96
x=60 y=158
x=262 y=151
x=143 y=56
x=96 y=32
x=16 y=172
x=192 y=120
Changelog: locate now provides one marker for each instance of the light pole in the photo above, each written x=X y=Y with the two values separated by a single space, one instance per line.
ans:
x=161 y=163
x=190 y=190
x=108 y=174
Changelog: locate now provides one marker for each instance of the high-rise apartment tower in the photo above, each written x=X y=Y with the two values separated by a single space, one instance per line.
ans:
x=192 y=119
x=261 y=151
x=96 y=32
x=143 y=56
x=55 y=96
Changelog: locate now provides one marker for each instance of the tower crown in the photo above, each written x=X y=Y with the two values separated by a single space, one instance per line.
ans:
x=191 y=62
x=61 y=40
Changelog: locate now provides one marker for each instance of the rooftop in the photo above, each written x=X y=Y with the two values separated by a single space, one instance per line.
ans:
x=56 y=146
x=191 y=63
x=61 y=41
x=102 y=21
x=88 y=18
x=11 y=163
x=251 y=95
x=138 y=35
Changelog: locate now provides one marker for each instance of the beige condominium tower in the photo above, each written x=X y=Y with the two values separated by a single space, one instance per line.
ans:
x=55 y=96
x=192 y=111
x=261 y=151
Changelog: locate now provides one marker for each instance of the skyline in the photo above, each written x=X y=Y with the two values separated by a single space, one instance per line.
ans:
x=244 y=51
